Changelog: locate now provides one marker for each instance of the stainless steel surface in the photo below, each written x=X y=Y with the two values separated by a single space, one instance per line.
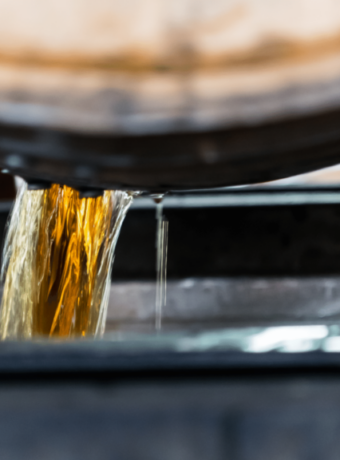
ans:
x=201 y=304
x=256 y=196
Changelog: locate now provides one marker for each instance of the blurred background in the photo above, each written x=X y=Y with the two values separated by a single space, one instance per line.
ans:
x=231 y=108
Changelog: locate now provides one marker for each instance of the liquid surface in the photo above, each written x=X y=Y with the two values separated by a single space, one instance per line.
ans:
x=57 y=262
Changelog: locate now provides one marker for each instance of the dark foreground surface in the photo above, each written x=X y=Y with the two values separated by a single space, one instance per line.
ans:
x=194 y=399
x=108 y=401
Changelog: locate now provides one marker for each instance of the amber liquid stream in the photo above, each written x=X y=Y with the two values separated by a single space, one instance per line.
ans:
x=57 y=262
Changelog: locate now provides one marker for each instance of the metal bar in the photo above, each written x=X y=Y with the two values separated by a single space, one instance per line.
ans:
x=241 y=199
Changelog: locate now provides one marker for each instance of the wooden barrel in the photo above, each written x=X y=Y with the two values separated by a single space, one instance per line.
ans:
x=162 y=94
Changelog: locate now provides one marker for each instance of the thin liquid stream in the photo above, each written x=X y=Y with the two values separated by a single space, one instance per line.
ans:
x=161 y=264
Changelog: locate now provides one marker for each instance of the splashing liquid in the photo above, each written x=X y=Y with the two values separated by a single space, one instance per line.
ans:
x=57 y=262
